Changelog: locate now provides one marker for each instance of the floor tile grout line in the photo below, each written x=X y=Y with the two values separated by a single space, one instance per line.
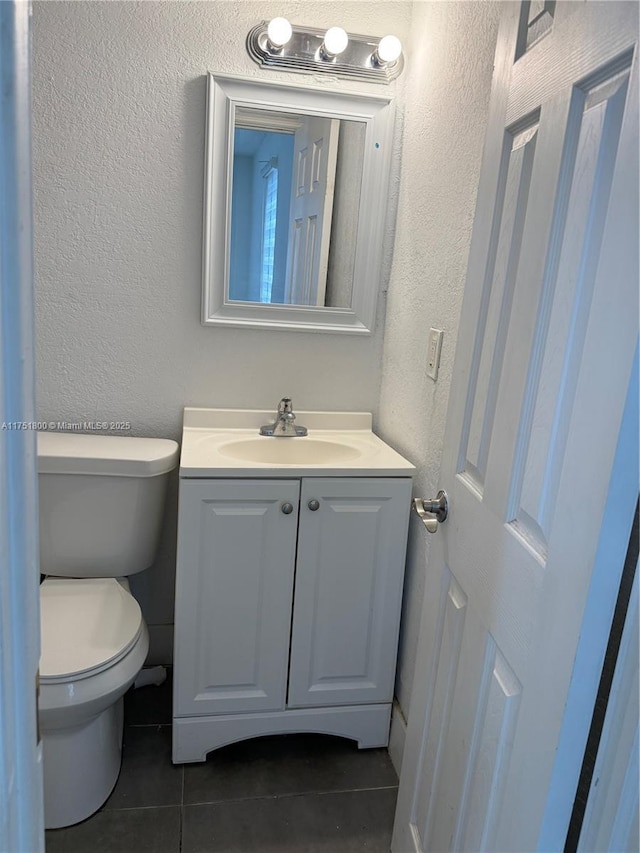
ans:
x=128 y=809
x=291 y=795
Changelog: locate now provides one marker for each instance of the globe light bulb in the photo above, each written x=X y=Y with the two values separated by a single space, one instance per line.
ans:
x=279 y=32
x=388 y=50
x=335 y=42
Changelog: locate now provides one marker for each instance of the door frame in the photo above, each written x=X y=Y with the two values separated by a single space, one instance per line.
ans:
x=610 y=819
x=21 y=820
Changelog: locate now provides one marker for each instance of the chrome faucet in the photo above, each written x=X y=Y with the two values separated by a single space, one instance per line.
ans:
x=284 y=425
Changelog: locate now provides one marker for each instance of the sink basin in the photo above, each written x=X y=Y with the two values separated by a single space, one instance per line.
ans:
x=226 y=443
x=289 y=451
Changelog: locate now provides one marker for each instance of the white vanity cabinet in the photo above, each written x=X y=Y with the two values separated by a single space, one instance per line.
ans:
x=288 y=596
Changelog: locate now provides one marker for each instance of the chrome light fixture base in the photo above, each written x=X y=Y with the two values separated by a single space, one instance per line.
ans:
x=304 y=53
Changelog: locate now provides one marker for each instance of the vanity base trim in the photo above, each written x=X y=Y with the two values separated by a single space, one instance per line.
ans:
x=194 y=737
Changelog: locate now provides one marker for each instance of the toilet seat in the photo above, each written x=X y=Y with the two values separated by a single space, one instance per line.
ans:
x=87 y=625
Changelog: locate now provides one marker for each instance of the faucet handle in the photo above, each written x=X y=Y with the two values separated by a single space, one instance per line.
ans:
x=285 y=406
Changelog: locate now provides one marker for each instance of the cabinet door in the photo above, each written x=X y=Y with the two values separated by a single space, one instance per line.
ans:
x=234 y=584
x=350 y=569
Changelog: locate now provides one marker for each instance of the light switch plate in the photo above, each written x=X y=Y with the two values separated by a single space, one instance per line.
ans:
x=433 y=355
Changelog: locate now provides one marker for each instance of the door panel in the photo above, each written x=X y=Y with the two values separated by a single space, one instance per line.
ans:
x=348 y=591
x=546 y=343
x=236 y=554
x=451 y=622
x=514 y=183
x=471 y=722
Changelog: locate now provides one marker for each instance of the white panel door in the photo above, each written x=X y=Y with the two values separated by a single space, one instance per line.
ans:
x=348 y=593
x=315 y=155
x=234 y=584
x=546 y=345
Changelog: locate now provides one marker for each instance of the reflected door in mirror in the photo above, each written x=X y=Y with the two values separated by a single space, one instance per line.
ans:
x=294 y=208
x=315 y=156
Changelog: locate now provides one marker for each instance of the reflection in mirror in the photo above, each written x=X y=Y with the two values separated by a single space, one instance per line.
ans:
x=296 y=186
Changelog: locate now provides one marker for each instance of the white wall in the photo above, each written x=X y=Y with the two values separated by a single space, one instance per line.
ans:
x=118 y=152
x=447 y=94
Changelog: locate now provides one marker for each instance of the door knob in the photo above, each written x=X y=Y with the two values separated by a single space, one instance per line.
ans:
x=287 y=509
x=432 y=512
x=314 y=505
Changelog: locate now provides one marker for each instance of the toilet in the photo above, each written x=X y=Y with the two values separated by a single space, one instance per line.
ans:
x=101 y=503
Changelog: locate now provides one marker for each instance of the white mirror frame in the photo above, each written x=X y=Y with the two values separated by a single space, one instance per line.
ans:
x=224 y=95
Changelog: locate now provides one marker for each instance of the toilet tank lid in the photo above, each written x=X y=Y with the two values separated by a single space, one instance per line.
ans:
x=110 y=455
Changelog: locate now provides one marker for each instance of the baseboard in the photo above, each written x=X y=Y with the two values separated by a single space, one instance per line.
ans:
x=397 y=737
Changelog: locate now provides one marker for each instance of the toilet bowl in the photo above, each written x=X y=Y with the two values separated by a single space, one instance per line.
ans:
x=94 y=643
x=101 y=503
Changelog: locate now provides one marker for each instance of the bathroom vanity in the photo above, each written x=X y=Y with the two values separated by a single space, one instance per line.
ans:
x=290 y=568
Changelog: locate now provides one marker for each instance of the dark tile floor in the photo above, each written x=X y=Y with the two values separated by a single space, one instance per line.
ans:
x=292 y=794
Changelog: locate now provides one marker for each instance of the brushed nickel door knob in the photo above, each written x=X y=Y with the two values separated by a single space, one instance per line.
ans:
x=432 y=512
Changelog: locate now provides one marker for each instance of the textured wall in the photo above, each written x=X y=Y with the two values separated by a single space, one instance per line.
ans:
x=118 y=142
x=446 y=101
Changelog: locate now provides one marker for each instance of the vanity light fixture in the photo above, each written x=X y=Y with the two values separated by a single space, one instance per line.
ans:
x=278 y=44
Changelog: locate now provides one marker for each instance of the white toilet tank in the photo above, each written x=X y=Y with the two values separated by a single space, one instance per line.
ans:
x=101 y=502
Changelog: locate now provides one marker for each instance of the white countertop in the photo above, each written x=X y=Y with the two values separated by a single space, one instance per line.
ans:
x=221 y=442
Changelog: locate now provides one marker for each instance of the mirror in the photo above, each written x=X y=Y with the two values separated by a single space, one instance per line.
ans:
x=295 y=202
